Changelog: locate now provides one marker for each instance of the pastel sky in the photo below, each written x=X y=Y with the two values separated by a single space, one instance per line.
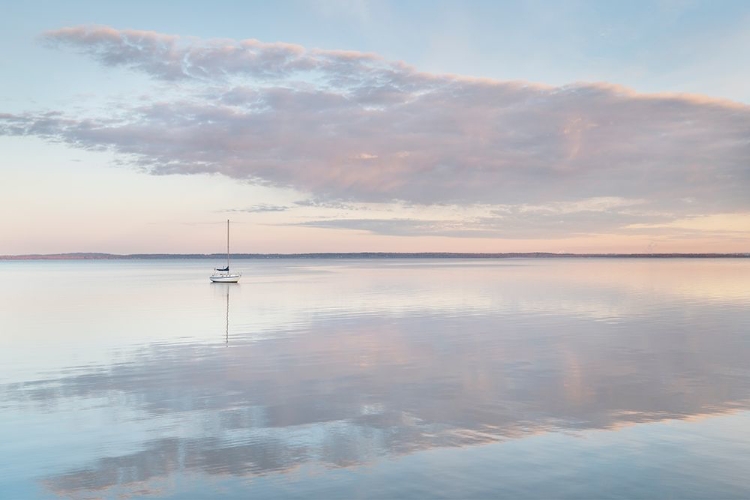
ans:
x=405 y=126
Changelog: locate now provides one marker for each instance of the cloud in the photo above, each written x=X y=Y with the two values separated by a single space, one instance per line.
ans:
x=170 y=57
x=261 y=208
x=350 y=126
x=392 y=227
x=337 y=205
x=513 y=223
x=727 y=227
x=598 y=204
x=727 y=222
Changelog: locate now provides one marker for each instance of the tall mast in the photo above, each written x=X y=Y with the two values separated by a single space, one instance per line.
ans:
x=227 y=243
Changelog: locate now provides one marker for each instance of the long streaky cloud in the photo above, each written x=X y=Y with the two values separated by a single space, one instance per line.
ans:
x=261 y=208
x=354 y=127
x=172 y=57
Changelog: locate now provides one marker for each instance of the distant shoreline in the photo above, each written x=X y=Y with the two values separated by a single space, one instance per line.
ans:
x=373 y=255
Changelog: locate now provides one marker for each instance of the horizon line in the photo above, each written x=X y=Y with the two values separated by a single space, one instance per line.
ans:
x=345 y=255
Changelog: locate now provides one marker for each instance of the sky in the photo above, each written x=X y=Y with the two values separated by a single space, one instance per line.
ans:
x=392 y=126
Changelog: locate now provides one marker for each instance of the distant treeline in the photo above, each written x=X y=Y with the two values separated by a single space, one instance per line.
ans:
x=369 y=255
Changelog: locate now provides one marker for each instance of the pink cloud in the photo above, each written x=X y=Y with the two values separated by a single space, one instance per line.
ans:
x=285 y=115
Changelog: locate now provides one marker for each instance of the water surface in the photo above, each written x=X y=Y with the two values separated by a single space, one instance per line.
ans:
x=518 y=378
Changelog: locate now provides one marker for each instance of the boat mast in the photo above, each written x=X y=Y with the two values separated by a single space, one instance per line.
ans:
x=227 y=245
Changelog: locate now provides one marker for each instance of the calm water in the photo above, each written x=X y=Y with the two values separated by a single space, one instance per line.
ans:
x=593 y=378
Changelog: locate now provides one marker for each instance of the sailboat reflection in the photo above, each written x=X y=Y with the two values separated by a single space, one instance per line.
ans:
x=226 y=314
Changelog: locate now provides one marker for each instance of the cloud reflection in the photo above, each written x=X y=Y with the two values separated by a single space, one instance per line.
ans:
x=349 y=390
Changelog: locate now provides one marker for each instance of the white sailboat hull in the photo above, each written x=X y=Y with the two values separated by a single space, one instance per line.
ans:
x=225 y=278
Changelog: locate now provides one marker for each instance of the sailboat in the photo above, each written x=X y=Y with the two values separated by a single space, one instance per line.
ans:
x=222 y=274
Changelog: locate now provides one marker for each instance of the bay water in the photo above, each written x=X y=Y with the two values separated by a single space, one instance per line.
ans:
x=376 y=378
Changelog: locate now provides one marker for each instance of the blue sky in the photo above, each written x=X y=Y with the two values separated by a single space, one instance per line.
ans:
x=526 y=108
x=655 y=46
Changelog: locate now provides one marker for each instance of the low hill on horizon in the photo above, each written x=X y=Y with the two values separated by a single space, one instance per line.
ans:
x=362 y=255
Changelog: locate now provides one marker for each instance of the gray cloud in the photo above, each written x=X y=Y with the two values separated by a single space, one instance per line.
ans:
x=339 y=205
x=352 y=126
x=510 y=225
x=170 y=57
x=261 y=208
x=393 y=227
